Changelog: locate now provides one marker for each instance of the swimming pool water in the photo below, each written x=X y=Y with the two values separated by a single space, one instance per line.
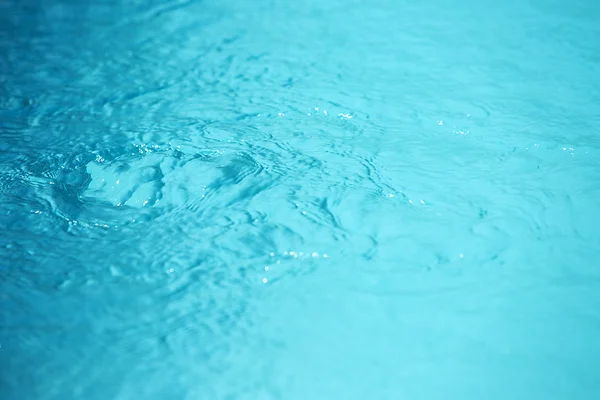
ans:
x=317 y=199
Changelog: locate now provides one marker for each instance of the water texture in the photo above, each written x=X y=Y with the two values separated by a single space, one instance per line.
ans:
x=317 y=199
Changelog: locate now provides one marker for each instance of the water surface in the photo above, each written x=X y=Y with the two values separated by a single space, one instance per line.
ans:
x=318 y=199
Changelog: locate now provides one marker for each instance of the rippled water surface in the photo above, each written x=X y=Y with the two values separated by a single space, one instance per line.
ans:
x=317 y=199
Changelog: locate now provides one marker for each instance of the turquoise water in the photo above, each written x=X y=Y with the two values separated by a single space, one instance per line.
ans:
x=317 y=199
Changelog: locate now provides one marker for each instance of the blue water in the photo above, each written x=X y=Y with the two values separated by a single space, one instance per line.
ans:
x=317 y=199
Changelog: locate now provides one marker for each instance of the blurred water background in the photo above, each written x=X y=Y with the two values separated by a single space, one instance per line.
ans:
x=317 y=199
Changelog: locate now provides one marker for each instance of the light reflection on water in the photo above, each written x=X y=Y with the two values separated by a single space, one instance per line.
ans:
x=299 y=200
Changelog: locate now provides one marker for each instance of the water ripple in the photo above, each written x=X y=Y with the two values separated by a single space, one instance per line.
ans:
x=203 y=195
